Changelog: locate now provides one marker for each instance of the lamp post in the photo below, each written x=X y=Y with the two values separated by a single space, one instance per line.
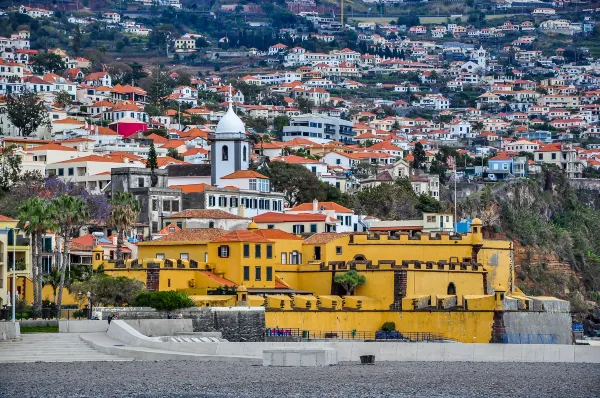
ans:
x=89 y=296
x=14 y=284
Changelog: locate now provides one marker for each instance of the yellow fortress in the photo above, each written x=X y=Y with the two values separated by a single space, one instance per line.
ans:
x=460 y=286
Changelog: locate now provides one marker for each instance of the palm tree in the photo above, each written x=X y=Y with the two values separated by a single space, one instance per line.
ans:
x=69 y=213
x=53 y=279
x=35 y=219
x=124 y=212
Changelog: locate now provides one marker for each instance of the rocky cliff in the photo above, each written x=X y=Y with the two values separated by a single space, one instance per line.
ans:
x=555 y=226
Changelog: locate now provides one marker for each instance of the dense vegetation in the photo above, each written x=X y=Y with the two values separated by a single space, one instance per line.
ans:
x=164 y=301
x=547 y=216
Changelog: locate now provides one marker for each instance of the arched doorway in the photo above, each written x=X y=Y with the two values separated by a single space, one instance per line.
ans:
x=451 y=289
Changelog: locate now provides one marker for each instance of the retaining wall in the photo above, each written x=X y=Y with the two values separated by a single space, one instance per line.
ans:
x=161 y=327
x=83 y=326
x=520 y=326
x=234 y=323
x=383 y=351
x=10 y=330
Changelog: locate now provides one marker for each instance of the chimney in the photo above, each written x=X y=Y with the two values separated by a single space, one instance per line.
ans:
x=114 y=239
x=315 y=205
x=242 y=211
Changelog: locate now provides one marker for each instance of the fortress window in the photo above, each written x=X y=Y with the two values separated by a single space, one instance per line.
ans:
x=257 y=273
x=269 y=273
x=451 y=289
x=257 y=251
x=338 y=250
x=317 y=252
x=246 y=250
x=246 y=273
x=224 y=251
x=269 y=251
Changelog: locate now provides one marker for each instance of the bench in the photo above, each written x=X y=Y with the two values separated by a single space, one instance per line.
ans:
x=311 y=357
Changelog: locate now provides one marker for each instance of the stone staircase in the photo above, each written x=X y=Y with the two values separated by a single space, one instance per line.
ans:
x=51 y=347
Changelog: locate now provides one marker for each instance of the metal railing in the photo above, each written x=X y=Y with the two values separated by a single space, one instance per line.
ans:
x=45 y=313
x=273 y=333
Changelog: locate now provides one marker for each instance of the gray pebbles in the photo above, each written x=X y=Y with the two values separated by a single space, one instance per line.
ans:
x=222 y=379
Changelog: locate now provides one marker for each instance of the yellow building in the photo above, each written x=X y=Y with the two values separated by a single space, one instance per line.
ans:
x=443 y=283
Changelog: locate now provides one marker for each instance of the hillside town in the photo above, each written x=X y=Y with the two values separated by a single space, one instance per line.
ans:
x=336 y=169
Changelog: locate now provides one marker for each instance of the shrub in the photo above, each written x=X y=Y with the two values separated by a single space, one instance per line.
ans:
x=388 y=327
x=165 y=301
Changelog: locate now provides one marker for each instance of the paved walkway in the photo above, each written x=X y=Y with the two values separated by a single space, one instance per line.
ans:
x=51 y=347
x=103 y=343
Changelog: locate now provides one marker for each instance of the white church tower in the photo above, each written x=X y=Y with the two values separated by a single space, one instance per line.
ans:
x=229 y=149
x=481 y=57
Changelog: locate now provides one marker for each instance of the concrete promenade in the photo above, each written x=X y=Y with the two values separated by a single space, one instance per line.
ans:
x=350 y=350
x=123 y=340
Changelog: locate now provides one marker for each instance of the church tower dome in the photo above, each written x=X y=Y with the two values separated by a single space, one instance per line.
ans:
x=230 y=123
x=229 y=146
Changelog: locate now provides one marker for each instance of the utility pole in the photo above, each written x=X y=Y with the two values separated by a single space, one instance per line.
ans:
x=342 y=14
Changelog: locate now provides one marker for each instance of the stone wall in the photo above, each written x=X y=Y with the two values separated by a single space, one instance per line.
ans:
x=235 y=323
x=538 y=327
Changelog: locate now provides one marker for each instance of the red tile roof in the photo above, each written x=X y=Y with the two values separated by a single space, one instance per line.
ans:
x=52 y=147
x=218 y=279
x=189 y=235
x=242 y=235
x=191 y=188
x=206 y=214
x=276 y=234
x=325 y=237
x=272 y=217
x=327 y=205
x=244 y=174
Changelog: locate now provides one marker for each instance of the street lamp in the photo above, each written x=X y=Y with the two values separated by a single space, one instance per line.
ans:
x=89 y=296
x=14 y=284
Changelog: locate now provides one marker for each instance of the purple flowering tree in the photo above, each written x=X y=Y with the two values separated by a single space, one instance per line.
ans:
x=98 y=204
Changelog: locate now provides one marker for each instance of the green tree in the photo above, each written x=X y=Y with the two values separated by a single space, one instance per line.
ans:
x=278 y=124
x=26 y=112
x=389 y=201
x=158 y=85
x=439 y=167
x=428 y=204
x=52 y=278
x=420 y=158
x=110 y=291
x=164 y=301
x=63 y=99
x=258 y=124
x=124 y=212
x=304 y=104
x=76 y=42
x=152 y=164
x=70 y=213
x=296 y=183
x=172 y=152
x=47 y=62
x=350 y=281
x=10 y=168
x=35 y=217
